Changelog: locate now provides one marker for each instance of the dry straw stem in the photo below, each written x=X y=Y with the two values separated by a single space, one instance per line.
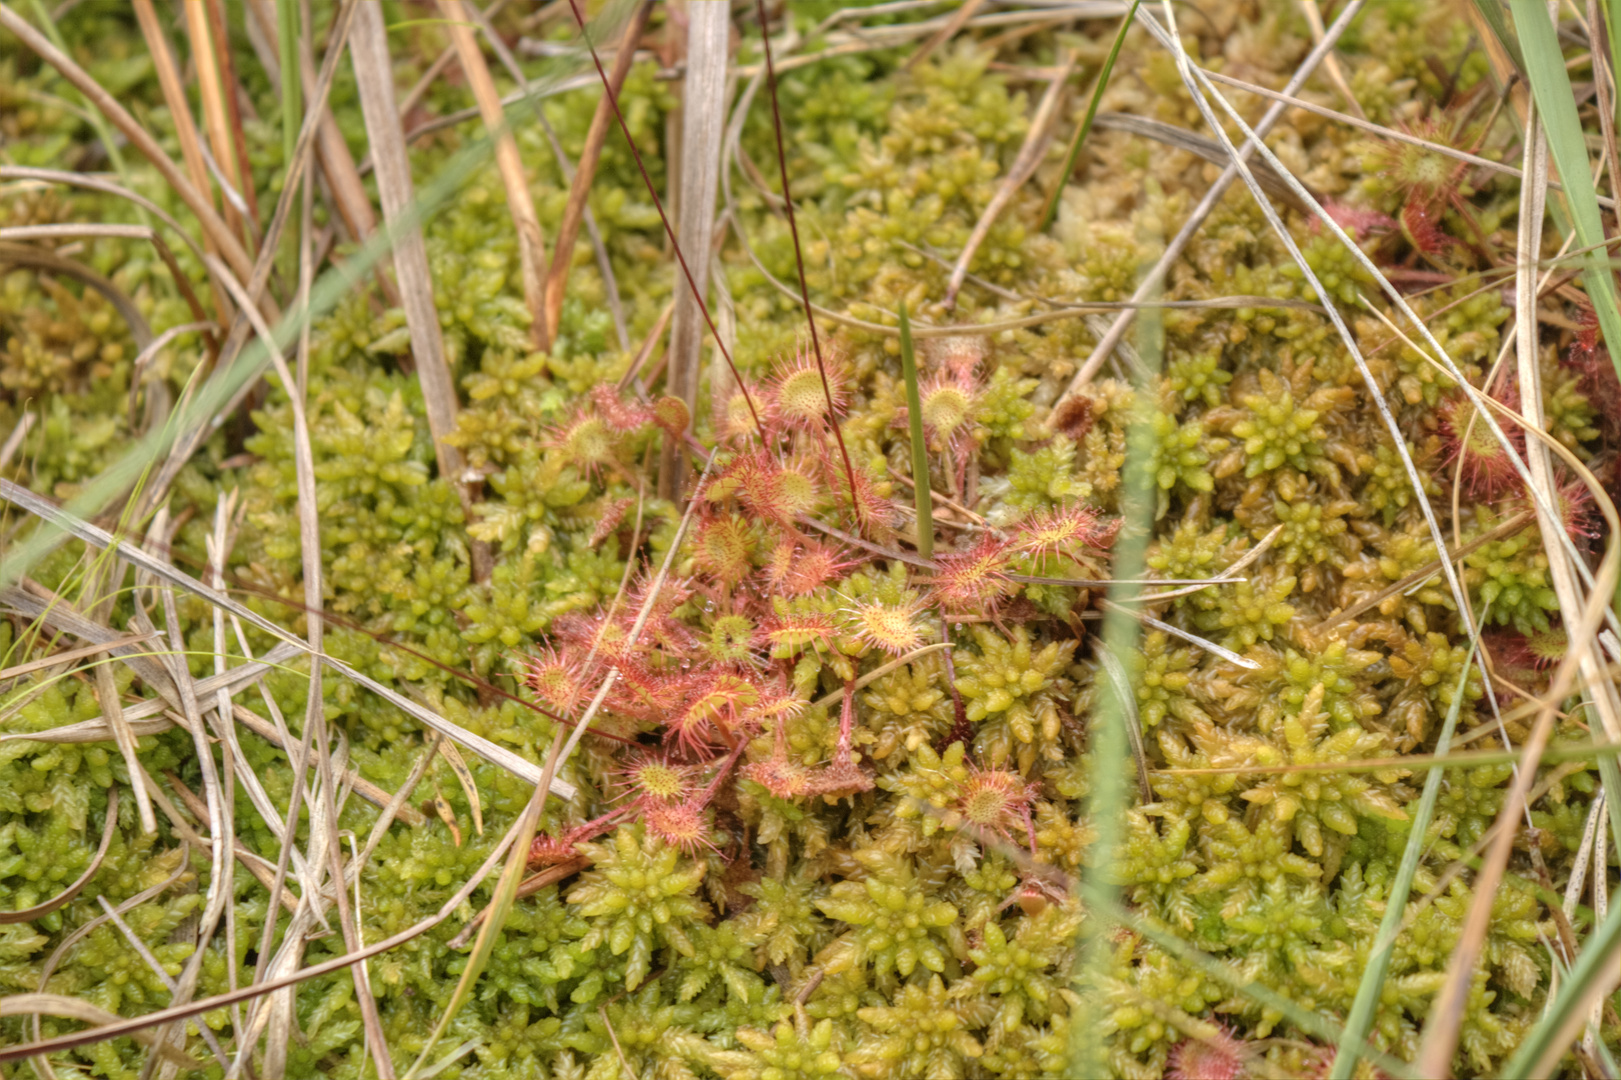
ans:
x=1024 y=165
x=374 y=73
x=703 y=109
x=1173 y=250
x=531 y=244
x=1442 y=1032
x=44 y=908
x=84 y=1012
x=586 y=169
x=337 y=163
x=97 y=537
x=120 y=1027
x=1331 y=63
x=211 y=90
x=174 y=95
x=1446 y=1016
x=953 y=26
x=234 y=95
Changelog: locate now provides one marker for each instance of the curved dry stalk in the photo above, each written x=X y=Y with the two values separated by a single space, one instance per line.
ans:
x=64 y=230
x=123 y=1027
x=84 y=1012
x=39 y=911
x=37 y=258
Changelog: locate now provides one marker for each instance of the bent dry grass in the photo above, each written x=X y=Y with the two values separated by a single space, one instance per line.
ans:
x=977 y=688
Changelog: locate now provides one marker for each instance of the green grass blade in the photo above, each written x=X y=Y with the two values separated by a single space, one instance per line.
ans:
x=1312 y=1023
x=920 y=451
x=1591 y=975
x=1051 y=209
x=1556 y=102
x=1112 y=770
x=1360 y=1020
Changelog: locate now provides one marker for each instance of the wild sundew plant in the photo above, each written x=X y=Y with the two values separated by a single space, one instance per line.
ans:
x=847 y=800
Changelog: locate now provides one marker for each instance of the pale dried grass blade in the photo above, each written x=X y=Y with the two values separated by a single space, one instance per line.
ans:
x=373 y=65
x=124 y=737
x=234 y=95
x=1331 y=63
x=1538 y=460
x=531 y=244
x=464 y=776
x=98 y=537
x=14 y=441
x=17 y=671
x=953 y=26
x=703 y=121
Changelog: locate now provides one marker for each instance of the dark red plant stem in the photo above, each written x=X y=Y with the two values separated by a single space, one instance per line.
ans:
x=658 y=204
x=708 y=793
x=799 y=257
